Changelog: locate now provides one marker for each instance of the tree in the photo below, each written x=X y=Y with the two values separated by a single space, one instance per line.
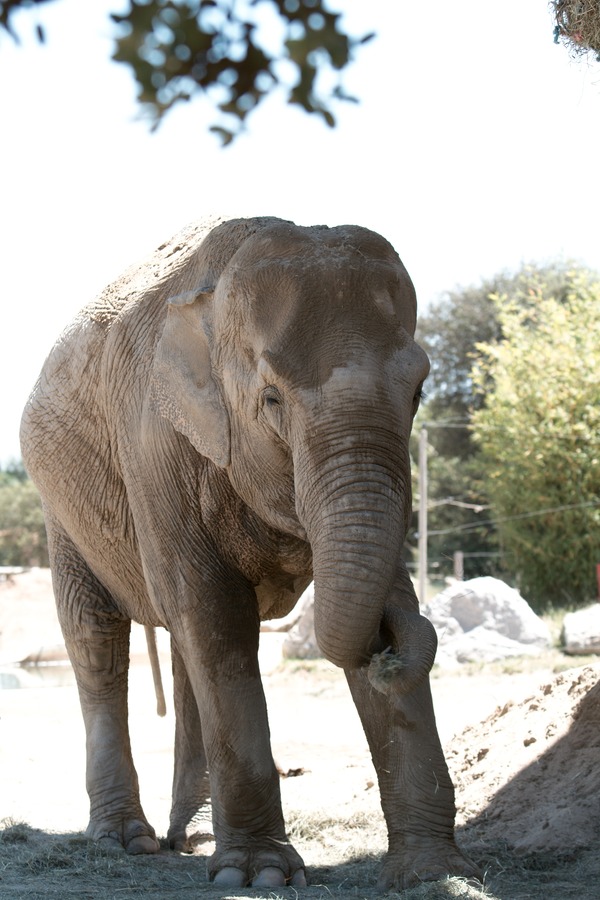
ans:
x=539 y=435
x=450 y=331
x=22 y=531
x=235 y=53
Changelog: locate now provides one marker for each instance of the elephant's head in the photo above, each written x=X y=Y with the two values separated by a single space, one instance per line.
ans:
x=293 y=366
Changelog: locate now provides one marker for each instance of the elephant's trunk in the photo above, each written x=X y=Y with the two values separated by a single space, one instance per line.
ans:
x=405 y=662
x=353 y=576
x=355 y=513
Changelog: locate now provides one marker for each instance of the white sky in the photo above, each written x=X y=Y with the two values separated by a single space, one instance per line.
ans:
x=476 y=147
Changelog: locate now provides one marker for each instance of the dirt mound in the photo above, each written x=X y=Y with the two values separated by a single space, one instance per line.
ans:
x=529 y=775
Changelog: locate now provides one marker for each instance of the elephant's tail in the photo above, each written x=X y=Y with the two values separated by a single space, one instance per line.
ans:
x=161 y=706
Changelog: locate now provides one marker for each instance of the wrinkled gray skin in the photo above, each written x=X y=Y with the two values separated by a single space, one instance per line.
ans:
x=221 y=425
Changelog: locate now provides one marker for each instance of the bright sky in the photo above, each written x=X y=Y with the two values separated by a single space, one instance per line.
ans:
x=476 y=147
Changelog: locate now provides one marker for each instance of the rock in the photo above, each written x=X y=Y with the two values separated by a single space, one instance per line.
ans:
x=481 y=620
x=484 y=620
x=480 y=645
x=301 y=642
x=581 y=630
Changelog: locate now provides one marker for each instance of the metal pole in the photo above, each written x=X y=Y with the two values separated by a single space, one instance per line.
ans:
x=423 y=515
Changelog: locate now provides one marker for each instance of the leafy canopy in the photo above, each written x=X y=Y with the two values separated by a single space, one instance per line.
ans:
x=236 y=52
x=539 y=434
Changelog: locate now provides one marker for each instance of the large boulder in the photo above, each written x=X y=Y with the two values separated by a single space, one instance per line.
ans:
x=484 y=620
x=581 y=630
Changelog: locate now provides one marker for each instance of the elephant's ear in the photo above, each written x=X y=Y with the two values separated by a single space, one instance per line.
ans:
x=183 y=388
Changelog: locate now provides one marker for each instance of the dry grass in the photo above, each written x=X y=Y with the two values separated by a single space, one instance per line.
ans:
x=35 y=865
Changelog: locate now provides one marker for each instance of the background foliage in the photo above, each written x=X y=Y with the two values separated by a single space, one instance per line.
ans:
x=235 y=52
x=539 y=433
x=464 y=507
x=22 y=532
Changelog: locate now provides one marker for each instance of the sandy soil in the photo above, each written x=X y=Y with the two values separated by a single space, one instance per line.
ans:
x=314 y=724
x=523 y=748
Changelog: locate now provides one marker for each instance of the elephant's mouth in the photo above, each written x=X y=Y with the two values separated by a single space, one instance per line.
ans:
x=290 y=525
x=286 y=519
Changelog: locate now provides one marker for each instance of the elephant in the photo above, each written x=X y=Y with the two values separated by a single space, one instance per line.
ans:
x=225 y=423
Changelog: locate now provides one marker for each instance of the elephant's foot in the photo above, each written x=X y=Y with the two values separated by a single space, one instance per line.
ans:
x=184 y=838
x=239 y=866
x=133 y=835
x=438 y=859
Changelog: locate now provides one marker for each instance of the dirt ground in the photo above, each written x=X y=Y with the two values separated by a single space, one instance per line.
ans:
x=522 y=742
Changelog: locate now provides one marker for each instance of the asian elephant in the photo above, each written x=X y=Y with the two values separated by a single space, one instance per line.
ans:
x=224 y=423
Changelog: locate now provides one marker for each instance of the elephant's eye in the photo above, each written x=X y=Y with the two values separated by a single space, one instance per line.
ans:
x=272 y=411
x=418 y=398
x=271 y=397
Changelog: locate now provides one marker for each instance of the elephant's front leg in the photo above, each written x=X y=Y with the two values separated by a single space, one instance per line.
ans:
x=221 y=656
x=417 y=795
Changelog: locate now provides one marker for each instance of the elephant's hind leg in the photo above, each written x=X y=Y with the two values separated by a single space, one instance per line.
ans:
x=191 y=814
x=97 y=640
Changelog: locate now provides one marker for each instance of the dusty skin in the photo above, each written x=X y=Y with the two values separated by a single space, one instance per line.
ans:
x=226 y=422
x=512 y=716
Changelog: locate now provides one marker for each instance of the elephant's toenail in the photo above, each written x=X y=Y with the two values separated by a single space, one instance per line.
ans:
x=270 y=876
x=231 y=877
x=298 y=879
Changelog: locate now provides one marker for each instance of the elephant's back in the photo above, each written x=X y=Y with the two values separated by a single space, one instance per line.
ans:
x=172 y=268
x=129 y=310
